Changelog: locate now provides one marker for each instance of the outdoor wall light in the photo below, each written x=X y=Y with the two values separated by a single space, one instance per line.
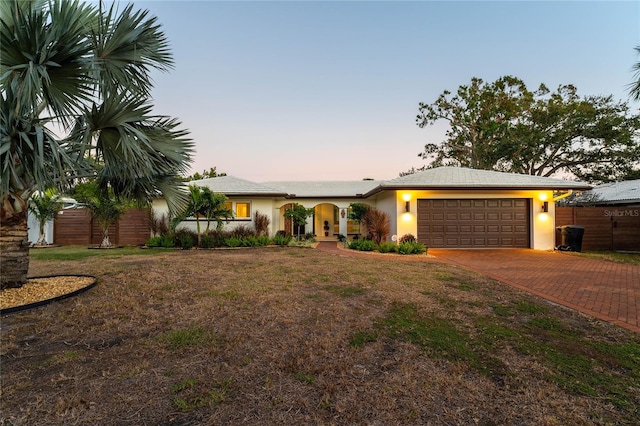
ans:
x=407 y=206
x=545 y=207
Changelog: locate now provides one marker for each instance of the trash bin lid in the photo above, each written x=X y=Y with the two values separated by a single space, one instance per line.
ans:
x=574 y=227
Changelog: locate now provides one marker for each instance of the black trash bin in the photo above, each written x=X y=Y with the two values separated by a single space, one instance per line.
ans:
x=571 y=237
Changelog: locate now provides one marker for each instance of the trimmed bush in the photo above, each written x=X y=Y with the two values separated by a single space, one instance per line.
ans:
x=387 y=247
x=363 y=245
x=207 y=241
x=218 y=237
x=233 y=242
x=185 y=238
x=263 y=240
x=250 y=241
x=167 y=241
x=154 y=242
x=282 y=238
x=411 y=248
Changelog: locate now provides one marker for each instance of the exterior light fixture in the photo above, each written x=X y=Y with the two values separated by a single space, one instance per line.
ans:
x=545 y=207
x=407 y=205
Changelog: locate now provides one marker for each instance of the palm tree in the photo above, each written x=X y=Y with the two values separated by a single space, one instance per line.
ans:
x=44 y=206
x=70 y=65
x=215 y=208
x=205 y=204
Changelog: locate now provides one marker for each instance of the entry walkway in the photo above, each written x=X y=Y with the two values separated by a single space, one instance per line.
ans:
x=606 y=290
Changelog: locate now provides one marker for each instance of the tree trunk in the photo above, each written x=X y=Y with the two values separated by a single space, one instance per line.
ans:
x=42 y=240
x=106 y=243
x=14 y=251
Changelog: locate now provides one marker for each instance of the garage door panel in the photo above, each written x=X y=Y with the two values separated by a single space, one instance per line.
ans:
x=438 y=242
x=521 y=242
x=474 y=223
x=493 y=242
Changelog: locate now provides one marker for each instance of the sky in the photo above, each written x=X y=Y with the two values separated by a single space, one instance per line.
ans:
x=329 y=90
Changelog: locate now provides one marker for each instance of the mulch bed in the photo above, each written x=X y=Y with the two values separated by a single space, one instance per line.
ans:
x=42 y=290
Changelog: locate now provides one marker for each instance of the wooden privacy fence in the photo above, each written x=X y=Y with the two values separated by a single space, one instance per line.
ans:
x=75 y=227
x=605 y=228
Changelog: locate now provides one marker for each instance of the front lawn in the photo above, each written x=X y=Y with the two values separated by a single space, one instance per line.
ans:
x=297 y=336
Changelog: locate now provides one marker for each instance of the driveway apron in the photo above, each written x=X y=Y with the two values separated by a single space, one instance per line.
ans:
x=606 y=290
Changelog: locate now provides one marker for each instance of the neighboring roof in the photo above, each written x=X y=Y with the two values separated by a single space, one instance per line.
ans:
x=461 y=177
x=326 y=189
x=618 y=192
x=230 y=185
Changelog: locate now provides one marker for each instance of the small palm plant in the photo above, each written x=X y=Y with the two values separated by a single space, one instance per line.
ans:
x=105 y=208
x=44 y=206
x=215 y=208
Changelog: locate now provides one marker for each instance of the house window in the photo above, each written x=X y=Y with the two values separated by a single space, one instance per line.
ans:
x=243 y=210
x=228 y=205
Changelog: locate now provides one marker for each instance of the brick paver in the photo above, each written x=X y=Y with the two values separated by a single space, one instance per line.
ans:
x=606 y=290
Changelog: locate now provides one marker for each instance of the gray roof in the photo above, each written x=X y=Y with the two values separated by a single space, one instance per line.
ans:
x=439 y=178
x=230 y=185
x=461 y=177
x=625 y=191
x=324 y=189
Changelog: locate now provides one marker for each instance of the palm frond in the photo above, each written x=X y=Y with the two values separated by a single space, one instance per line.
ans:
x=126 y=48
x=43 y=57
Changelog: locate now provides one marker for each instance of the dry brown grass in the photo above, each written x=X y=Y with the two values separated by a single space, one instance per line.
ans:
x=265 y=336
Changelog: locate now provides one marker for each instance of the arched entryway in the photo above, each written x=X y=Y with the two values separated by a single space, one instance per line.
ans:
x=326 y=222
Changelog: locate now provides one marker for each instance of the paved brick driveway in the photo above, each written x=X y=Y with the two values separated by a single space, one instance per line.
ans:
x=606 y=290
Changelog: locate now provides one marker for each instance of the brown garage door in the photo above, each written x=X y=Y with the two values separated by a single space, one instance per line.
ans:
x=474 y=223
